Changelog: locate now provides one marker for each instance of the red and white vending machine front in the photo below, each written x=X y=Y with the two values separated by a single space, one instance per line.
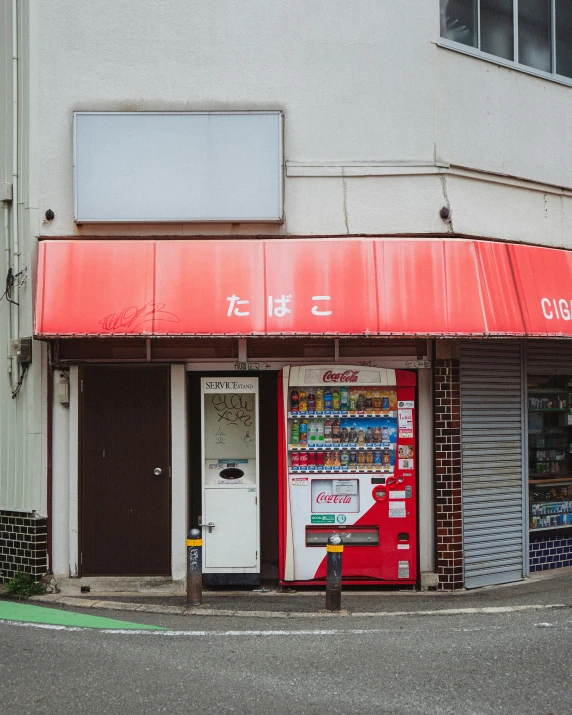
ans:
x=348 y=465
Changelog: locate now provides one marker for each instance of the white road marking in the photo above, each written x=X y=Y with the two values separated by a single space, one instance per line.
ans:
x=297 y=632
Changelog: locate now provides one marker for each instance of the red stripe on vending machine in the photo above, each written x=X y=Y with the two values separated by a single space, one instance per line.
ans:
x=348 y=465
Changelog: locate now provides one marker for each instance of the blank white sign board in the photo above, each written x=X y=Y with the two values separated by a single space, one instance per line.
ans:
x=177 y=166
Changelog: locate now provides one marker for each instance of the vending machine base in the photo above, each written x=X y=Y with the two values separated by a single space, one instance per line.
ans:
x=347 y=582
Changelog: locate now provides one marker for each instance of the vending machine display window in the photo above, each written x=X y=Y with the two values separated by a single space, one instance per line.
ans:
x=335 y=495
x=550 y=452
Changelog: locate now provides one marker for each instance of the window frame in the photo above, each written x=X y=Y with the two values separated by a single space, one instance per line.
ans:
x=510 y=64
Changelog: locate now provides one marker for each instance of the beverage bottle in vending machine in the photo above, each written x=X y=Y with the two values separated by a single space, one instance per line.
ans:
x=295 y=459
x=327 y=399
x=303 y=401
x=369 y=400
x=337 y=460
x=344 y=399
x=336 y=431
x=311 y=433
x=353 y=400
x=328 y=432
x=377 y=434
x=376 y=399
x=385 y=434
x=295 y=433
x=369 y=435
x=319 y=433
x=361 y=437
x=345 y=459
x=303 y=433
x=360 y=402
x=319 y=400
x=336 y=399
x=311 y=400
x=294 y=400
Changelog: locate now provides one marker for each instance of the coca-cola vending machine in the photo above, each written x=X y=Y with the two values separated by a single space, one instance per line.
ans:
x=348 y=465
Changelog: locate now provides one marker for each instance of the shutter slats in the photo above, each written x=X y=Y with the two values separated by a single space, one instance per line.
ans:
x=491 y=443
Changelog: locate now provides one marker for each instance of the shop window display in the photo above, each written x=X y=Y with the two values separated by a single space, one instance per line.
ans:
x=550 y=452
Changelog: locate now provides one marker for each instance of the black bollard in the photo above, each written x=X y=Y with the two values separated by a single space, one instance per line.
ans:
x=194 y=568
x=335 y=549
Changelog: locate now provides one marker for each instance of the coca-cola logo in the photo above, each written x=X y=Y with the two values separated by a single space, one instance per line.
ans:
x=346 y=376
x=324 y=498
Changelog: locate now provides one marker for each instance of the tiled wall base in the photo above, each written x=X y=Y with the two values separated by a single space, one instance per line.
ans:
x=23 y=545
x=550 y=550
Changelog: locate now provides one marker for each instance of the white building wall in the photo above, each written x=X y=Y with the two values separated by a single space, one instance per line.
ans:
x=379 y=120
x=22 y=420
x=382 y=128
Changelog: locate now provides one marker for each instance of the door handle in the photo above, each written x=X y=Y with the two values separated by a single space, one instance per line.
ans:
x=210 y=526
x=157 y=471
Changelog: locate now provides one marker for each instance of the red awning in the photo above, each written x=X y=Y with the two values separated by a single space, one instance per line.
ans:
x=419 y=287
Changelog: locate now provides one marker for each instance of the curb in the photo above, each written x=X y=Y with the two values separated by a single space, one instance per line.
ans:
x=204 y=611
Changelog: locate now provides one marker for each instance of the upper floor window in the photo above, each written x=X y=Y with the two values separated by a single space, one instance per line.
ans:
x=535 y=34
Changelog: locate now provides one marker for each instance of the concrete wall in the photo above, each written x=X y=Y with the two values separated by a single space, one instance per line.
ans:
x=22 y=420
x=370 y=88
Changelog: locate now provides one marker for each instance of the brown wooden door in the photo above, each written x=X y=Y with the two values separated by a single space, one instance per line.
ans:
x=125 y=522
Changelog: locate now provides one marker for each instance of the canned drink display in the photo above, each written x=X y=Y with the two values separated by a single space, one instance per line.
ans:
x=369 y=457
x=303 y=459
x=319 y=459
x=353 y=458
x=311 y=459
x=328 y=461
x=337 y=460
x=377 y=457
x=295 y=459
x=361 y=457
x=345 y=459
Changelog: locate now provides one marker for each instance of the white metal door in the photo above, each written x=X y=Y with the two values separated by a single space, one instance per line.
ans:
x=232 y=542
x=230 y=475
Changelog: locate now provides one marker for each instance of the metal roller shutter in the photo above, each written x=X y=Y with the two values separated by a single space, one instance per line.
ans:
x=549 y=357
x=491 y=444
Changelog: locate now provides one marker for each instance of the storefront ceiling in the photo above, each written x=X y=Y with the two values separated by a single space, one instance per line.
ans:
x=410 y=287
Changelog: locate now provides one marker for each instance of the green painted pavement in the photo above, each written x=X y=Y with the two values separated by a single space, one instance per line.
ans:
x=17 y=611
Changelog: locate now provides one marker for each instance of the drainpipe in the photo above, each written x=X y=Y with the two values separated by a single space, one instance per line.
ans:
x=15 y=232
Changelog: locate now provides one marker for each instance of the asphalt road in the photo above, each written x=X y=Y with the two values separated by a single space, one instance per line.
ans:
x=506 y=663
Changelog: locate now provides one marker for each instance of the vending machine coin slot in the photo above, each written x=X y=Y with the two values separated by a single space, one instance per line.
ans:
x=379 y=493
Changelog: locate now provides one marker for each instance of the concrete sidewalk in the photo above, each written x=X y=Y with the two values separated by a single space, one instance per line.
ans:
x=547 y=590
